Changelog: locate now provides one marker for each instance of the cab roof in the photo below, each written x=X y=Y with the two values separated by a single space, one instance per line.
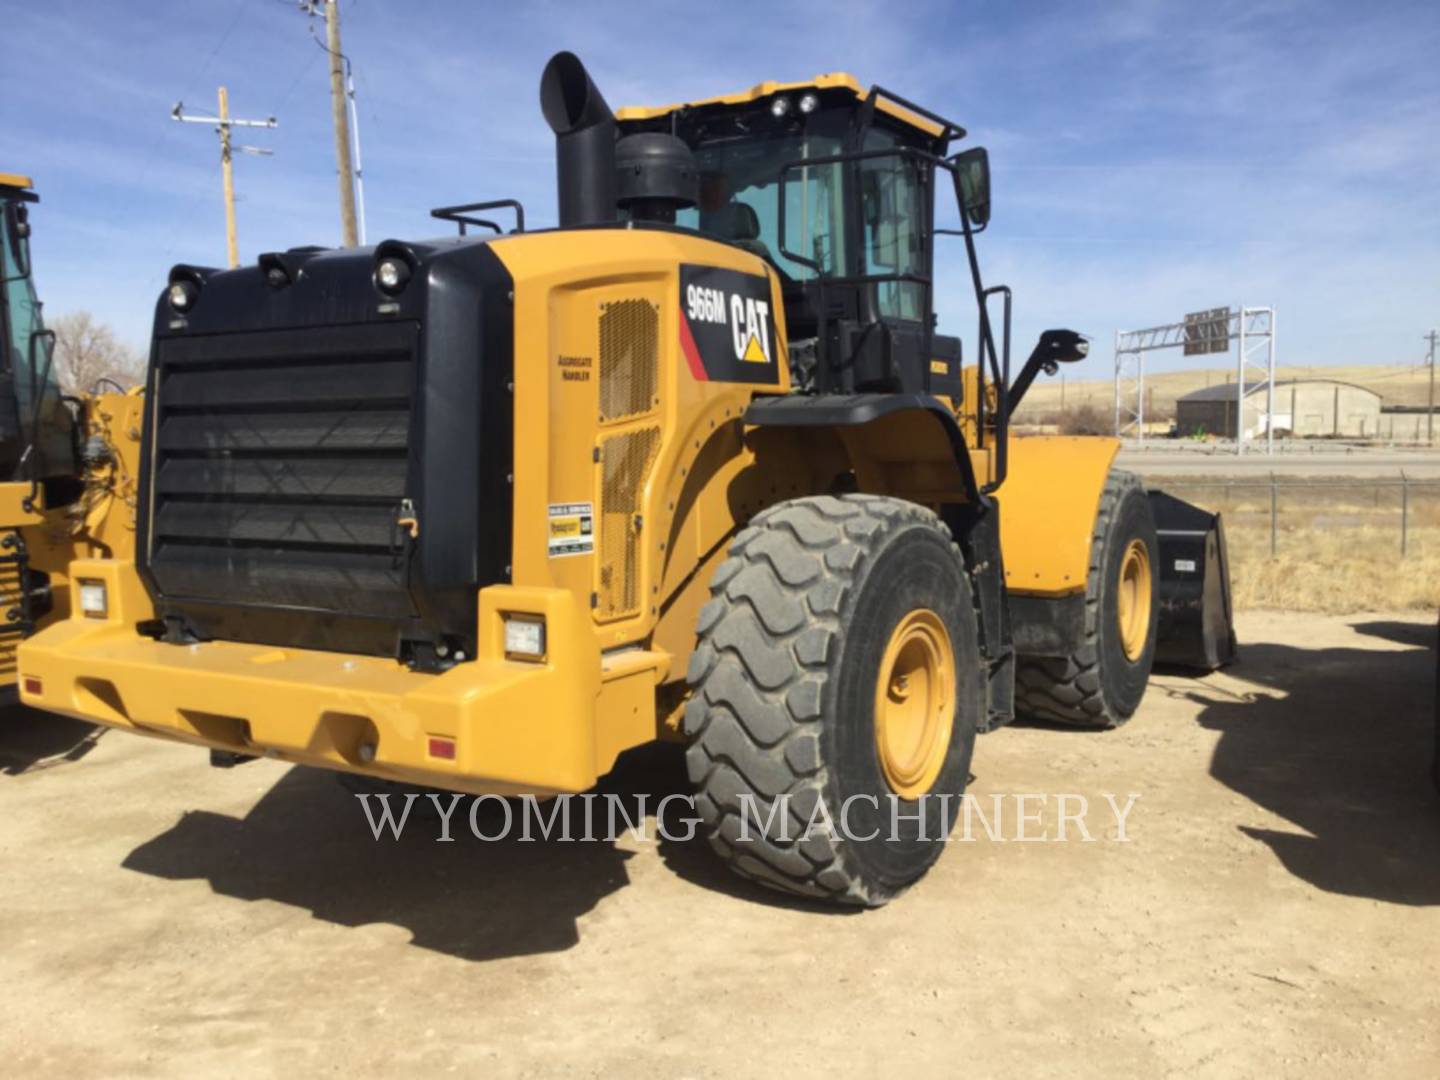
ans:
x=836 y=80
x=15 y=180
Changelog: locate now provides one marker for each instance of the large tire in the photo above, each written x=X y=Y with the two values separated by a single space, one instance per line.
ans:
x=803 y=616
x=1100 y=684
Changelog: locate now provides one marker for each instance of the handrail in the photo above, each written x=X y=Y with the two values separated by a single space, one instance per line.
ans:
x=458 y=214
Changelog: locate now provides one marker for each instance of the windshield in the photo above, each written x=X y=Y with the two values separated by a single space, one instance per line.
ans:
x=27 y=374
x=739 y=199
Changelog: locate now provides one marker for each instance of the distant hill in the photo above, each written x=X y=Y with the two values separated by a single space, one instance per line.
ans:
x=1397 y=384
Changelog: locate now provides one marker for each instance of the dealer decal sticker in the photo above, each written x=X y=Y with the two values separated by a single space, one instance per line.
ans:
x=727 y=326
x=572 y=529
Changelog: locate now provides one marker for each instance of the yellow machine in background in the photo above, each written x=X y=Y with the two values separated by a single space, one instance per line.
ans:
x=67 y=466
x=482 y=513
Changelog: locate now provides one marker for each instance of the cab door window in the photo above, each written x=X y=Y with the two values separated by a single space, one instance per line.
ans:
x=892 y=229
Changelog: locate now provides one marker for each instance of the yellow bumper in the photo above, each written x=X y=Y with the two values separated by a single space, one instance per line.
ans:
x=546 y=727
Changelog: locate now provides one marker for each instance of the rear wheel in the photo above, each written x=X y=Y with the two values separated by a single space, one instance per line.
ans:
x=836 y=678
x=1101 y=682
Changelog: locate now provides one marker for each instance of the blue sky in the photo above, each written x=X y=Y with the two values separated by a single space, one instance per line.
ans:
x=1149 y=158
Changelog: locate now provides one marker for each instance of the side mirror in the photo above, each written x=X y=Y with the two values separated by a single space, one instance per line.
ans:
x=1062 y=347
x=972 y=167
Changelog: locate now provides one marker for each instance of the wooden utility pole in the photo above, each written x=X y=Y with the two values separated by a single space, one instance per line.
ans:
x=227 y=178
x=1430 y=412
x=223 y=123
x=346 y=171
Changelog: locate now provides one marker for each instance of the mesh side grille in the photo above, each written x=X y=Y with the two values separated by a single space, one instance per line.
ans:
x=627 y=459
x=10 y=634
x=629 y=358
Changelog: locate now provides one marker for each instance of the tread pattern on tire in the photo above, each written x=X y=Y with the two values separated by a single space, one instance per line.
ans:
x=768 y=643
x=1068 y=690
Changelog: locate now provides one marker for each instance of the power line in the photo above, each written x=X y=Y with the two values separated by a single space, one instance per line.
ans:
x=307 y=66
x=225 y=37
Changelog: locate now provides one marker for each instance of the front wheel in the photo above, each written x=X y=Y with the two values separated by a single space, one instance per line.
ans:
x=1100 y=683
x=836 y=679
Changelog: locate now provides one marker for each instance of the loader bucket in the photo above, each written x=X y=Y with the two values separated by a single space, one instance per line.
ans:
x=1196 y=628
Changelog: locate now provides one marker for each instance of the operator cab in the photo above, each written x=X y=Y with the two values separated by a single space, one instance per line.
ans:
x=37 y=430
x=849 y=235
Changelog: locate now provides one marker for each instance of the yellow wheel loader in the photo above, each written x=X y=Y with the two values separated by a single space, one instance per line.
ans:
x=67 y=465
x=481 y=513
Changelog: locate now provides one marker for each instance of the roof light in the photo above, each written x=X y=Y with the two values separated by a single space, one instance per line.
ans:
x=809 y=103
x=780 y=107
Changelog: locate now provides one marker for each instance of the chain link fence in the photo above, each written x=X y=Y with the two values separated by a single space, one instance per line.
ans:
x=1403 y=510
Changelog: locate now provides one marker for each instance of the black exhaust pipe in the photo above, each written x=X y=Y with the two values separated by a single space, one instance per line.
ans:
x=584 y=130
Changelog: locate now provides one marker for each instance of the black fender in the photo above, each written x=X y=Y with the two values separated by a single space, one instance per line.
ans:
x=857 y=410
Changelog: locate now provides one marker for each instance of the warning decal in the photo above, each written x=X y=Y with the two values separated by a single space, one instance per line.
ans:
x=727 y=326
x=572 y=529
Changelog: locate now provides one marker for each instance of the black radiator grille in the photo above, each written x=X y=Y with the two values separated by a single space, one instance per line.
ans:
x=280 y=464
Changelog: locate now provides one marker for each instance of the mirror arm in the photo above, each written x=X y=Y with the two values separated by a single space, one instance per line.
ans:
x=1033 y=367
x=1054 y=348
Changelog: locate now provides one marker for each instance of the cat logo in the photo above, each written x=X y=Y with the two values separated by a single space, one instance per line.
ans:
x=749 y=318
x=727 y=326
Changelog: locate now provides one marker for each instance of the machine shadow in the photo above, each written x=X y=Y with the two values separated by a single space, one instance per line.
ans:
x=1344 y=755
x=32 y=740
x=307 y=843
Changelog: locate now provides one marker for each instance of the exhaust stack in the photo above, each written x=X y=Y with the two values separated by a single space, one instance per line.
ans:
x=584 y=130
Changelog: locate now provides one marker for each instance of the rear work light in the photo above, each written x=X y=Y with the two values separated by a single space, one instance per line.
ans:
x=524 y=637
x=94 y=599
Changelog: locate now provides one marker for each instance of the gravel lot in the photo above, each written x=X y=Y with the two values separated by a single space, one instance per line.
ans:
x=1276 y=910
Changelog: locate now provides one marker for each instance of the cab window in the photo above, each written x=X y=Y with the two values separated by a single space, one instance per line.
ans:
x=22 y=317
x=739 y=200
x=28 y=382
x=893 y=226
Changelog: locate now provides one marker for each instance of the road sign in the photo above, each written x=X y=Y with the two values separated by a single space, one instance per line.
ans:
x=1207 y=331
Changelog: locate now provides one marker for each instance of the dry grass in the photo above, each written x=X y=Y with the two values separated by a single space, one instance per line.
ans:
x=1359 y=569
x=1337 y=549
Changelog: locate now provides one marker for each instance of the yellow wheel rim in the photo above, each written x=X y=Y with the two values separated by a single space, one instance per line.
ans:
x=915 y=703
x=1132 y=609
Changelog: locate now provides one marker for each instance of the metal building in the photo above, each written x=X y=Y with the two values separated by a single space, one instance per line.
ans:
x=1305 y=407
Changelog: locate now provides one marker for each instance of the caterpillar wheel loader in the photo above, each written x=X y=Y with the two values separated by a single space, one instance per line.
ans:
x=67 y=465
x=482 y=512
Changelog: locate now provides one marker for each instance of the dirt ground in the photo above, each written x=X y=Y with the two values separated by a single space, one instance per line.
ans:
x=1276 y=910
